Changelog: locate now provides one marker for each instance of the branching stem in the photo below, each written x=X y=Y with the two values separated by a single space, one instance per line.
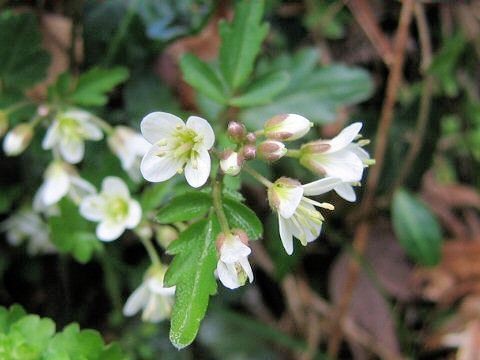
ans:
x=258 y=176
x=218 y=206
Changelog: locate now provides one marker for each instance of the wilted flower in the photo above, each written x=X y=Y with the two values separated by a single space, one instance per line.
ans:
x=113 y=208
x=17 y=139
x=338 y=157
x=287 y=127
x=297 y=215
x=151 y=296
x=272 y=150
x=231 y=163
x=233 y=267
x=28 y=225
x=68 y=132
x=61 y=179
x=130 y=147
x=176 y=145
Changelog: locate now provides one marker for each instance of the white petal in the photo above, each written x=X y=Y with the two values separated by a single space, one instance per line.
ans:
x=93 y=208
x=51 y=137
x=345 y=190
x=198 y=176
x=156 y=168
x=247 y=268
x=359 y=151
x=345 y=137
x=79 y=188
x=202 y=127
x=321 y=186
x=156 y=286
x=109 y=231
x=285 y=235
x=91 y=131
x=72 y=150
x=136 y=301
x=289 y=203
x=134 y=214
x=55 y=187
x=159 y=125
x=344 y=165
x=114 y=186
x=157 y=309
x=233 y=250
x=228 y=278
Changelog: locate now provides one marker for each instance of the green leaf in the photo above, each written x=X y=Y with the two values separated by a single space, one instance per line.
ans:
x=185 y=207
x=93 y=86
x=241 y=41
x=263 y=90
x=203 y=78
x=22 y=61
x=154 y=195
x=37 y=331
x=76 y=344
x=240 y=216
x=10 y=316
x=416 y=228
x=191 y=271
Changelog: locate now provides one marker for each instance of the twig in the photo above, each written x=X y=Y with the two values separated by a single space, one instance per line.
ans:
x=361 y=233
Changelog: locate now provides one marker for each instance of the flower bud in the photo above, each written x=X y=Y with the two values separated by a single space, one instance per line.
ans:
x=231 y=163
x=165 y=235
x=17 y=139
x=241 y=234
x=236 y=131
x=251 y=137
x=3 y=123
x=272 y=150
x=287 y=127
x=249 y=152
x=43 y=110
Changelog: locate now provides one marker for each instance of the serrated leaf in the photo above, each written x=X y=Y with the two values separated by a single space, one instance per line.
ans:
x=35 y=330
x=203 y=78
x=185 y=207
x=10 y=316
x=416 y=228
x=191 y=271
x=93 y=86
x=241 y=41
x=240 y=216
x=75 y=343
x=22 y=61
x=263 y=90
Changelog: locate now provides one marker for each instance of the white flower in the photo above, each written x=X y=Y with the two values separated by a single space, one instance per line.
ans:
x=272 y=150
x=130 y=147
x=151 y=296
x=176 y=145
x=28 y=225
x=61 y=179
x=68 y=132
x=231 y=163
x=233 y=267
x=338 y=157
x=287 y=127
x=297 y=215
x=17 y=139
x=113 y=208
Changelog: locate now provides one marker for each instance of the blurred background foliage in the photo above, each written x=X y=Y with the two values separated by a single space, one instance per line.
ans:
x=416 y=289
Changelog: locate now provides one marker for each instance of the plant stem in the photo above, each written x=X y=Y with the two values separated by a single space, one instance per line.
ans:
x=112 y=286
x=217 y=204
x=152 y=253
x=293 y=153
x=259 y=132
x=258 y=176
x=120 y=34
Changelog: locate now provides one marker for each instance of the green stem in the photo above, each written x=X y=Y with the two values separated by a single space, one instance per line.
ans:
x=293 y=153
x=112 y=285
x=152 y=253
x=16 y=106
x=104 y=125
x=257 y=176
x=217 y=204
x=120 y=34
x=259 y=132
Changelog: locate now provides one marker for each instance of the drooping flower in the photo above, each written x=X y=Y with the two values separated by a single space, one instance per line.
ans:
x=233 y=267
x=272 y=150
x=61 y=179
x=287 y=127
x=338 y=157
x=68 y=132
x=175 y=146
x=152 y=296
x=113 y=208
x=26 y=225
x=130 y=147
x=17 y=139
x=231 y=163
x=297 y=215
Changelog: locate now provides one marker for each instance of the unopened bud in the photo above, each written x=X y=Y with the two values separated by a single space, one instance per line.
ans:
x=43 y=110
x=272 y=150
x=231 y=163
x=236 y=131
x=17 y=139
x=165 y=235
x=3 y=123
x=287 y=127
x=251 y=137
x=249 y=152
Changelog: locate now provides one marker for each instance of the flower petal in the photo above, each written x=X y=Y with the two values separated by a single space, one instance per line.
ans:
x=55 y=187
x=246 y=267
x=344 y=165
x=93 y=208
x=92 y=131
x=285 y=235
x=136 y=301
x=233 y=250
x=289 y=201
x=72 y=150
x=51 y=137
x=359 y=151
x=159 y=125
x=321 y=186
x=109 y=231
x=156 y=168
x=134 y=214
x=114 y=186
x=228 y=278
x=202 y=127
x=345 y=190
x=197 y=176
x=345 y=137
x=79 y=188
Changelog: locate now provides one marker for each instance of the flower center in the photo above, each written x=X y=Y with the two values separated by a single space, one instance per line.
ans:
x=70 y=128
x=117 y=208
